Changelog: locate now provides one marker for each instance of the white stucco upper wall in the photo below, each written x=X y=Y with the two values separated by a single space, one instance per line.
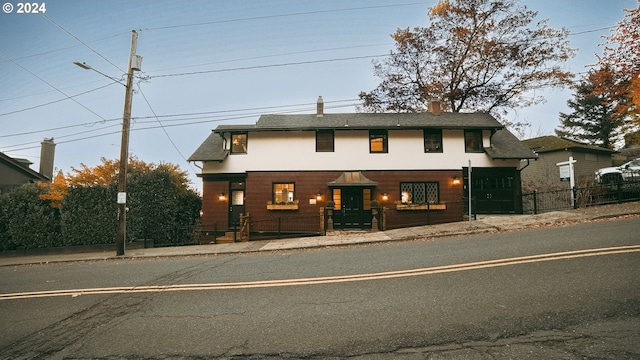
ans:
x=296 y=151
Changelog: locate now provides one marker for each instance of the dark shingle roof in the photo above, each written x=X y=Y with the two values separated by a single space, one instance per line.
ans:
x=369 y=121
x=211 y=149
x=22 y=166
x=504 y=145
x=554 y=143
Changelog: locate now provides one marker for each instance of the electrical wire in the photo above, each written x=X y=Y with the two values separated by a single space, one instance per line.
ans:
x=164 y=129
x=189 y=121
x=52 y=86
x=82 y=42
x=57 y=101
x=277 y=16
x=267 y=66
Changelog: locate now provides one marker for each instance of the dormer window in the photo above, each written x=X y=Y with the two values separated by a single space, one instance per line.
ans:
x=239 y=143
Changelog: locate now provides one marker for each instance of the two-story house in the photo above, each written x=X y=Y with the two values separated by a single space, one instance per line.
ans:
x=298 y=163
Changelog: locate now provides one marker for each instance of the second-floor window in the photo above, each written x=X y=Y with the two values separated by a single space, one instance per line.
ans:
x=324 y=141
x=239 y=143
x=378 y=141
x=432 y=141
x=283 y=193
x=472 y=141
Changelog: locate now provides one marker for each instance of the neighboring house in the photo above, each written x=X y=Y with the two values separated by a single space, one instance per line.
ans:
x=544 y=173
x=15 y=172
x=403 y=160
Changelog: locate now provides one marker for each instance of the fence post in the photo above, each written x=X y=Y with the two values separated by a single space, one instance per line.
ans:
x=574 y=194
x=279 y=227
x=619 y=188
x=535 y=202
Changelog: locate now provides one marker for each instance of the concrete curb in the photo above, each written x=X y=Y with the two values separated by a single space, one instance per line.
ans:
x=483 y=225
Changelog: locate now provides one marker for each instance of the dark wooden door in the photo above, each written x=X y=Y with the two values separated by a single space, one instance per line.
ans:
x=236 y=207
x=352 y=213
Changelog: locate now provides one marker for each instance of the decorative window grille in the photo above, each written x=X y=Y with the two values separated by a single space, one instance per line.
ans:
x=420 y=193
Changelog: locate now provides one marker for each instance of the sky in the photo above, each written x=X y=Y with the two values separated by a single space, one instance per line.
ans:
x=212 y=62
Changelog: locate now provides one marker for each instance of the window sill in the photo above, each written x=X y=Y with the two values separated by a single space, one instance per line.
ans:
x=419 y=207
x=286 y=207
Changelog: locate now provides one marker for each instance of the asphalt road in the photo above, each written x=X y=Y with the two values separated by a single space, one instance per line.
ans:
x=547 y=293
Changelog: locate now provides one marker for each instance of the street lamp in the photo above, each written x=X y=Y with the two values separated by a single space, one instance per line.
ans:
x=134 y=64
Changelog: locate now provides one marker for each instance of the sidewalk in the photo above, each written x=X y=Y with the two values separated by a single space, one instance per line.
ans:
x=484 y=224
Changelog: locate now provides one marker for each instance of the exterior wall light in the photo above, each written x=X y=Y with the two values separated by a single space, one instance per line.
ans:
x=456 y=180
x=222 y=197
x=319 y=196
x=385 y=196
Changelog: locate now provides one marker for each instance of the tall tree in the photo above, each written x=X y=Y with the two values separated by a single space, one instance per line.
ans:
x=621 y=54
x=595 y=118
x=475 y=55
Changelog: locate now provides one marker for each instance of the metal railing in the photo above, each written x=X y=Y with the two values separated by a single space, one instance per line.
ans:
x=544 y=201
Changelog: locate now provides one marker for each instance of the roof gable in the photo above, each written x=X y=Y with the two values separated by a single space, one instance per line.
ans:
x=551 y=143
x=22 y=166
x=504 y=145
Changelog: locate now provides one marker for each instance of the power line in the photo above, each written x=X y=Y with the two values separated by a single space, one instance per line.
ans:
x=83 y=43
x=278 y=16
x=188 y=121
x=164 y=129
x=46 y=82
x=267 y=66
x=67 y=97
x=191 y=116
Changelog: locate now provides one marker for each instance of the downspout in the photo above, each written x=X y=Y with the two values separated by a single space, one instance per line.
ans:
x=528 y=163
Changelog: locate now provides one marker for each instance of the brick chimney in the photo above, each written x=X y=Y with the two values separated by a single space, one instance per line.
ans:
x=320 y=107
x=47 y=152
x=435 y=107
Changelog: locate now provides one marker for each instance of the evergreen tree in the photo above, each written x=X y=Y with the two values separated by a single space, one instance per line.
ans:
x=594 y=119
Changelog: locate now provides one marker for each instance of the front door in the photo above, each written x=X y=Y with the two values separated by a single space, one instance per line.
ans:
x=352 y=208
x=236 y=203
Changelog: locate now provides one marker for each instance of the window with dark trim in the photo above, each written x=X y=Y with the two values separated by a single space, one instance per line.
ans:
x=284 y=193
x=378 y=141
x=325 y=141
x=432 y=140
x=420 y=192
x=239 y=143
x=472 y=141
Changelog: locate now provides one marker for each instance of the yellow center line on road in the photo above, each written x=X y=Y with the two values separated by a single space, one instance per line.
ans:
x=329 y=279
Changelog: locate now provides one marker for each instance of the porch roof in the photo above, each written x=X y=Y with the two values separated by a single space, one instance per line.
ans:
x=352 y=178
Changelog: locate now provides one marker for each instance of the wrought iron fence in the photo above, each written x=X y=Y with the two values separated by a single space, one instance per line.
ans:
x=420 y=215
x=281 y=227
x=545 y=201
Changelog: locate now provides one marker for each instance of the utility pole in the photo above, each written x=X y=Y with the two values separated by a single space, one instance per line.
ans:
x=134 y=64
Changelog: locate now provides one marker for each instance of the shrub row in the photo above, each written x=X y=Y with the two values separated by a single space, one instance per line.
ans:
x=159 y=210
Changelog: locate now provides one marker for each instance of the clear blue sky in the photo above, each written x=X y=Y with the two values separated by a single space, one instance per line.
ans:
x=228 y=62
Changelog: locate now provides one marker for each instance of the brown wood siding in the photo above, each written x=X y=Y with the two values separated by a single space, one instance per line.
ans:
x=214 y=211
x=309 y=183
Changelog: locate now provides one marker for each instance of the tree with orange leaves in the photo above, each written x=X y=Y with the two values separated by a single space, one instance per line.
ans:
x=106 y=174
x=621 y=54
x=56 y=190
